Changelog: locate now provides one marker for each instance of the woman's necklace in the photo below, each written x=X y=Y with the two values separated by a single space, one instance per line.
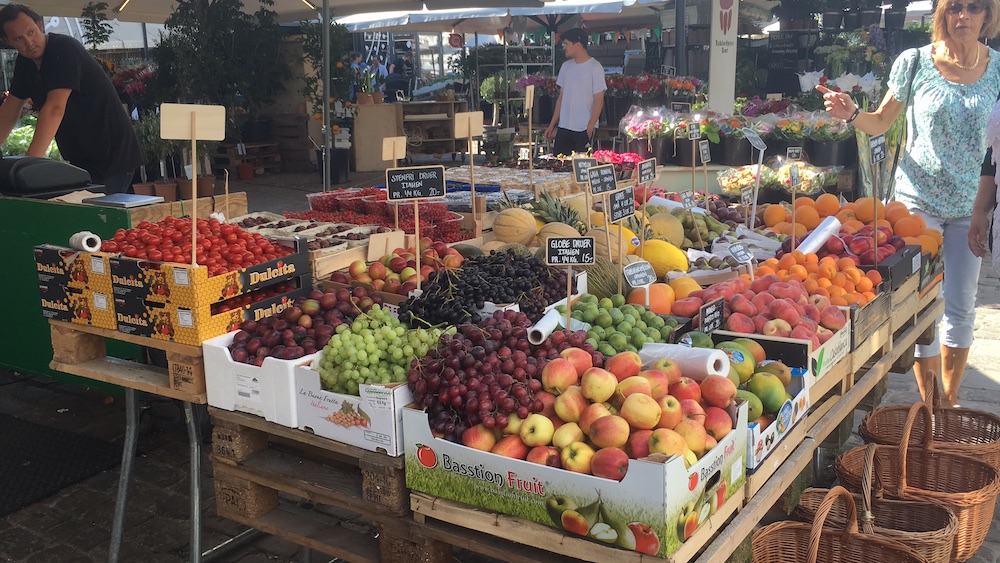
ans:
x=974 y=64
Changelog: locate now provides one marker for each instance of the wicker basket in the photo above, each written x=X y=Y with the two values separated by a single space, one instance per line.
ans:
x=797 y=542
x=967 y=486
x=956 y=430
x=925 y=527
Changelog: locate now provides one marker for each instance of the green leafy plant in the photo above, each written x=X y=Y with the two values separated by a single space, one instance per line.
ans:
x=20 y=139
x=96 y=29
x=312 y=58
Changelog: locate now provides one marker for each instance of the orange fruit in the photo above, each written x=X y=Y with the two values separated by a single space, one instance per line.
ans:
x=683 y=286
x=804 y=202
x=883 y=223
x=863 y=285
x=895 y=210
x=923 y=224
x=934 y=234
x=928 y=244
x=781 y=227
x=845 y=263
x=845 y=215
x=774 y=214
x=875 y=276
x=907 y=227
x=827 y=204
x=807 y=217
x=786 y=261
x=798 y=229
x=869 y=209
x=798 y=271
x=912 y=241
x=851 y=226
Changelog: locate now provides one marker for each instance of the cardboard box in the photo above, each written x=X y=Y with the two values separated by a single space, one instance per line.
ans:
x=194 y=325
x=897 y=268
x=672 y=499
x=371 y=420
x=930 y=269
x=268 y=391
x=866 y=320
x=58 y=265
x=184 y=285
x=80 y=306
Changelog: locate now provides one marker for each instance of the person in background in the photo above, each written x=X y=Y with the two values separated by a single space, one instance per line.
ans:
x=581 y=96
x=404 y=62
x=77 y=103
x=358 y=68
x=379 y=71
x=396 y=83
x=952 y=94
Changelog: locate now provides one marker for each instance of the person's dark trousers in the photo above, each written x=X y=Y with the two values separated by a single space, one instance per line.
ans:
x=568 y=141
x=119 y=183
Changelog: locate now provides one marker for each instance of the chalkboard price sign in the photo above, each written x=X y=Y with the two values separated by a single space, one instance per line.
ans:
x=621 y=205
x=647 y=170
x=687 y=198
x=877 y=146
x=639 y=274
x=794 y=178
x=569 y=251
x=712 y=314
x=754 y=139
x=741 y=252
x=580 y=166
x=746 y=196
x=705 y=150
x=680 y=107
x=602 y=179
x=793 y=153
x=694 y=131
x=417 y=182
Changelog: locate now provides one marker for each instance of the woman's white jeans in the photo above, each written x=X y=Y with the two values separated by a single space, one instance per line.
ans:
x=959 y=287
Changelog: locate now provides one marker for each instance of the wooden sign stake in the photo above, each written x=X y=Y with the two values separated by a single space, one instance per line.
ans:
x=621 y=254
x=529 y=103
x=470 y=124
x=394 y=148
x=225 y=174
x=607 y=225
x=569 y=297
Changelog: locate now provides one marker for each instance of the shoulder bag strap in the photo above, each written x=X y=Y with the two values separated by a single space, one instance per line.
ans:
x=910 y=106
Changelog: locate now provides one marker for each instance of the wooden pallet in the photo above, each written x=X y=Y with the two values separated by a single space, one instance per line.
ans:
x=80 y=350
x=265 y=157
x=258 y=463
x=432 y=512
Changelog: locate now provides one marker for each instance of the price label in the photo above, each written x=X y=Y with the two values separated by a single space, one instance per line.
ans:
x=602 y=179
x=523 y=153
x=529 y=96
x=774 y=97
x=680 y=107
x=741 y=252
x=647 y=170
x=694 y=132
x=712 y=314
x=706 y=151
x=621 y=205
x=580 y=166
x=794 y=179
x=877 y=146
x=754 y=139
x=417 y=182
x=668 y=70
x=746 y=196
x=793 y=153
x=569 y=251
x=687 y=199
x=639 y=274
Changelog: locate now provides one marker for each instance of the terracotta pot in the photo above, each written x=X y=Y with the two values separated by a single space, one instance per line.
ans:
x=365 y=98
x=377 y=97
x=143 y=189
x=166 y=190
x=245 y=171
x=206 y=185
x=184 y=188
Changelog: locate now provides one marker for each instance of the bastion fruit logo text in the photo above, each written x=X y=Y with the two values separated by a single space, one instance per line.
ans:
x=726 y=15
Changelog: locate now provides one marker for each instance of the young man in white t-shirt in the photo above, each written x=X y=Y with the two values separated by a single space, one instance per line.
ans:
x=581 y=96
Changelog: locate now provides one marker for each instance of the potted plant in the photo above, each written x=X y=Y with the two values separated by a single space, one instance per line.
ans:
x=895 y=15
x=365 y=88
x=617 y=98
x=833 y=15
x=831 y=142
x=852 y=17
x=687 y=151
x=736 y=150
x=871 y=13
x=647 y=90
x=545 y=91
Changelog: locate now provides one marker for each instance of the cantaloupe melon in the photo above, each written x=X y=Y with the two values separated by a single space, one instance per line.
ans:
x=515 y=225
x=601 y=243
x=667 y=227
x=664 y=257
x=558 y=230
x=493 y=245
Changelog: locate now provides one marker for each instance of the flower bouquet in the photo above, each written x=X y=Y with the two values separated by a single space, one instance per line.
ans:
x=647 y=87
x=618 y=97
x=682 y=88
x=544 y=84
x=736 y=149
x=733 y=180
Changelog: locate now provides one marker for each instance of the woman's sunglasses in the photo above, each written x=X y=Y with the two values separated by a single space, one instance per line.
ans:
x=974 y=9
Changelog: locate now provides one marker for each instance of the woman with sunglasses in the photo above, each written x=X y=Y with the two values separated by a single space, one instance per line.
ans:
x=952 y=92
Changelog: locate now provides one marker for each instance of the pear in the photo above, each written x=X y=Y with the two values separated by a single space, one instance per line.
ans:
x=626 y=538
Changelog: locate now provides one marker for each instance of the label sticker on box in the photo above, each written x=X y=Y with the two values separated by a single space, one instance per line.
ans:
x=377 y=438
x=185 y=318
x=378 y=400
x=181 y=277
x=916 y=263
x=737 y=471
x=97 y=265
x=248 y=387
x=100 y=301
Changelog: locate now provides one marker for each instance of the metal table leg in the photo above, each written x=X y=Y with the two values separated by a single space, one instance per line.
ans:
x=125 y=477
x=194 y=439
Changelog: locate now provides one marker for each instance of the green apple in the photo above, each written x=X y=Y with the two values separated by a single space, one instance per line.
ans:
x=556 y=505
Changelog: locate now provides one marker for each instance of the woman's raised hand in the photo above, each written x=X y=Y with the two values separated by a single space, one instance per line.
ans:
x=838 y=104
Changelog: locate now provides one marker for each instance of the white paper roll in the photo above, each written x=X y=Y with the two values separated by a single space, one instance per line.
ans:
x=671 y=204
x=696 y=363
x=826 y=229
x=550 y=322
x=86 y=241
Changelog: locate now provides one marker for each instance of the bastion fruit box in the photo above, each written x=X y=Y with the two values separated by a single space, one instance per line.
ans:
x=190 y=286
x=80 y=306
x=193 y=325
x=654 y=509
x=268 y=391
x=371 y=420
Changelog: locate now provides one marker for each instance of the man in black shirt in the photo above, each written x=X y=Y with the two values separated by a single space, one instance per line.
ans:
x=76 y=101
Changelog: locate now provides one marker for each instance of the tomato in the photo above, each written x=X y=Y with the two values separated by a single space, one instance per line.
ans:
x=155 y=254
x=109 y=246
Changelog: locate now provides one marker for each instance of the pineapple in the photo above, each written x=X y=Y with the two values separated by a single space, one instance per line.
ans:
x=644 y=232
x=551 y=210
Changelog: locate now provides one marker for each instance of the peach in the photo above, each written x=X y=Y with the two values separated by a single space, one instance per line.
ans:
x=739 y=284
x=558 y=375
x=642 y=412
x=781 y=309
x=784 y=290
x=832 y=317
x=686 y=388
x=718 y=391
x=823 y=334
x=579 y=357
x=740 y=304
x=637 y=446
x=609 y=463
x=811 y=312
x=762 y=300
x=512 y=447
x=624 y=364
x=738 y=322
x=659 y=381
x=748 y=294
x=609 y=432
x=761 y=284
x=694 y=434
x=777 y=327
x=801 y=332
x=808 y=323
x=687 y=307
x=819 y=301
x=758 y=323
x=590 y=414
x=718 y=423
x=692 y=410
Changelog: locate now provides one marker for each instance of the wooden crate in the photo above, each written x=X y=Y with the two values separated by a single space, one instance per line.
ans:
x=80 y=350
x=362 y=494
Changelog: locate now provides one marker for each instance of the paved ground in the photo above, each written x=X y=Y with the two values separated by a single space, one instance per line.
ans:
x=73 y=526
